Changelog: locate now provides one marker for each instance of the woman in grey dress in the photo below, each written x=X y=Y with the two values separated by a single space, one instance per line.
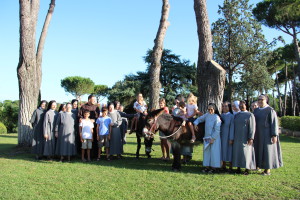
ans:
x=115 y=143
x=49 y=127
x=243 y=149
x=65 y=133
x=227 y=134
x=266 y=143
x=37 y=120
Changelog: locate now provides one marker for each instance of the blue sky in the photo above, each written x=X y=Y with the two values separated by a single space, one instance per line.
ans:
x=102 y=40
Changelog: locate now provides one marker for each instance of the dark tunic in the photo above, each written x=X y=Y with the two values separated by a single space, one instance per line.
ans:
x=94 y=111
x=49 y=129
x=115 y=143
x=124 y=125
x=66 y=134
x=77 y=136
x=244 y=128
x=37 y=120
x=267 y=154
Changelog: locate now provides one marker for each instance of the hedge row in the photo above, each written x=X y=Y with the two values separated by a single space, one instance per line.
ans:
x=291 y=122
x=3 y=129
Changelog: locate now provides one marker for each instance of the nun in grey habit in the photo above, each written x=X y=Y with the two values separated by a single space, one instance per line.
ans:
x=65 y=133
x=266 y=143
x=116 y=139
x=244 y=131
x=227 y=134
x=49 y=127
x=37 y=120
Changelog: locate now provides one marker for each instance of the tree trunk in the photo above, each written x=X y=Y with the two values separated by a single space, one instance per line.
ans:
x=155 y=67
x=297 y=51
x=293 y=95
x=211 y=76
x=230 y=92
x=285 y=89
x=29 y=69
x=279 y=95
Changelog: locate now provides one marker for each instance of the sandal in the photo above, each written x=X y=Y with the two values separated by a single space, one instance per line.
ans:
x=266 y=173
x=206 y=170
x=193 y=139
x=246 y=173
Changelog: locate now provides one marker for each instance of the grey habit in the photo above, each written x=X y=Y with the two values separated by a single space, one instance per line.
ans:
x=37 y=120
x=49 y=129
x=227 y=133
x=66 y=134
x=115 y=143
x=268 y=155
x=244 y=129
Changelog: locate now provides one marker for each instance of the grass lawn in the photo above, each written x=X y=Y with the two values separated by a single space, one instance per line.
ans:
x=21 y=177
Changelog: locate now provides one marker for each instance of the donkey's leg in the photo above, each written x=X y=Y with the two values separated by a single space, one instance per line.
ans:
x=138 y=139
x=148 y=146
x=176 y=166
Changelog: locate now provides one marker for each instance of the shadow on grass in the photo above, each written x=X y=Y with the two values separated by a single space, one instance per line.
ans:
x=9 y=136
x=127 y=162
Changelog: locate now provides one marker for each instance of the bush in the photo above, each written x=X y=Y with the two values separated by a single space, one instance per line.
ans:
x=3 y=129
x=291 y=122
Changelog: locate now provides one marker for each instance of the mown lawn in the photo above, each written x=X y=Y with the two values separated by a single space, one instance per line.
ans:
x=21 y=177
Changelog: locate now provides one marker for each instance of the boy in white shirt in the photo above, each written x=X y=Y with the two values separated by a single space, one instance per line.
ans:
x=86 y=135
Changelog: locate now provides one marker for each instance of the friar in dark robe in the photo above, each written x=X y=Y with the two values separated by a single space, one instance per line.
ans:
x=37 y=120
x=266 y=142
x=94 y=110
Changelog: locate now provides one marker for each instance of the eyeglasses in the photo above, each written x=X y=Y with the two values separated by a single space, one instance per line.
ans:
x=210 y=109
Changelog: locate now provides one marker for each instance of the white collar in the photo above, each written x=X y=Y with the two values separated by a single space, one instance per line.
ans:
x=263 y=107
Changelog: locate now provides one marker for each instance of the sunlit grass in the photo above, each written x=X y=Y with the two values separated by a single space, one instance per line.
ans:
x=24 y=178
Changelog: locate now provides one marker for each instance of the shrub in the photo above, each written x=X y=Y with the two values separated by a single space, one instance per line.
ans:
x=291 y=122
x=3 y=129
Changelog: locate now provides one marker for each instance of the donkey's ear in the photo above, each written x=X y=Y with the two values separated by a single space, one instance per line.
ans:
x=156 y=113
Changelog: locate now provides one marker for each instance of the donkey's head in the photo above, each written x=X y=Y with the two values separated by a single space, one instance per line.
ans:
x=151 y=125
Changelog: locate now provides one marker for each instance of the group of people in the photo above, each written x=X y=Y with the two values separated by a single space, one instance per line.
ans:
x=237 y=137
x=70 y=130
x=241 y=138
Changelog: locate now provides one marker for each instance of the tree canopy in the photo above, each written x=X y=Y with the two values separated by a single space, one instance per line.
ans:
x=177 y=76
x=100 y=91
x=283 y=15
x=77 y=86
x=240 y=47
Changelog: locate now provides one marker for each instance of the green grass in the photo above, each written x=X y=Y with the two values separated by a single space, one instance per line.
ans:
x=21 y=177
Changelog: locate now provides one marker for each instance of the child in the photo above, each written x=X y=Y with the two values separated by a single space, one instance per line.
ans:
x=139 y=106
x=103 y=132
x=192 y=110
x=86 y=135
x=182 y=112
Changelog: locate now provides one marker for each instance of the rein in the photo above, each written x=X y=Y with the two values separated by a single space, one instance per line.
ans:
x=164 y=137
x=153 y=127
